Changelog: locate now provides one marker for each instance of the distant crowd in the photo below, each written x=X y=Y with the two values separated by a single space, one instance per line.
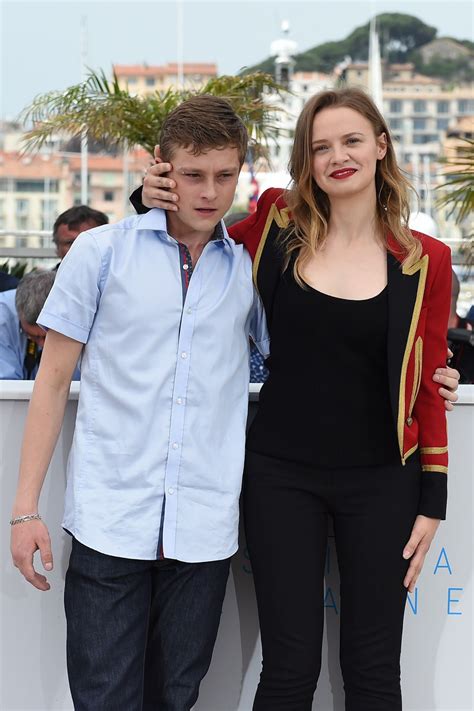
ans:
x=21 y=339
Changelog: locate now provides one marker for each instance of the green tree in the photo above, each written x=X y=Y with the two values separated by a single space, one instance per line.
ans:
x=108 y=113
x=400 y=34
x=459 y=69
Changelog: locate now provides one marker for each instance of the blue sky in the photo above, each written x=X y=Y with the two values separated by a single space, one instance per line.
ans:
x=40 y=41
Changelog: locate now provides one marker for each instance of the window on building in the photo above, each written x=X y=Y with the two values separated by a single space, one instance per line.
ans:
x=22 y=205
x=395 y=123
x=419 y=106
x=36 y=186
x=442 y=124
x=421 y=138
x=466 y=106
x=49 y=212
x=21 y=222
x=443 y=107
x=284 y=75
x=150 y=81
x=77 y=180
x=419 y=123
x=395 y=106
x=48 y=205
x=4 y=185
x=109 y=195
x=132 y=80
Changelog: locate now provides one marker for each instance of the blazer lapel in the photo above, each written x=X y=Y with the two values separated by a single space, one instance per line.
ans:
x=405 y=297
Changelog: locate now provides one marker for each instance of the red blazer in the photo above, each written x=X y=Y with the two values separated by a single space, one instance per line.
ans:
x=418 y=309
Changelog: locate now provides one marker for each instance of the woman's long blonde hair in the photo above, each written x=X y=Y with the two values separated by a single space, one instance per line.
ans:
x=309 y=205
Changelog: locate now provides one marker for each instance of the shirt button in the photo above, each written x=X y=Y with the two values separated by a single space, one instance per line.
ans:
x=170 y=491
x=175 y=445
x=185 y=267
x=409 y=421
x=184 y=355
x=179 y=400
x=189 y=311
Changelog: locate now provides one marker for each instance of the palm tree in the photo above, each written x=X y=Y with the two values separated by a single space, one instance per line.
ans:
x=458 y=189
x=106 y=112
x=458 y=193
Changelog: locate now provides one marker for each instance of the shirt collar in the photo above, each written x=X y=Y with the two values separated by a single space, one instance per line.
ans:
x=155 y=220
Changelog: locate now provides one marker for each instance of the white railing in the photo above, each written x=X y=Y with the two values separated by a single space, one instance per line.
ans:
x=26 y=243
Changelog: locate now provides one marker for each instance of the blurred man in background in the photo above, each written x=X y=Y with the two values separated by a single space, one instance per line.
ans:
x=21 y=340
x=71 y=223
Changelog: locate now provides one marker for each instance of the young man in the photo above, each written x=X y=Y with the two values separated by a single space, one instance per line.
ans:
x=161 y=308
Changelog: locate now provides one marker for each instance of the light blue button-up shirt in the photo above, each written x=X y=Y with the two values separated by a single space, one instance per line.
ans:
x=164 y=389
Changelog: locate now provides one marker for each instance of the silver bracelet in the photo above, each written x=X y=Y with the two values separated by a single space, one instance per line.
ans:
x=22 y=519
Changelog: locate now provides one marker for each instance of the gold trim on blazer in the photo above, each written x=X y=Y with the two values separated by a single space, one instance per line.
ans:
x=417 y=373
x=434 y=468
x=433 y=450
x=410 y=451
x=282 y=220
x=422 y=266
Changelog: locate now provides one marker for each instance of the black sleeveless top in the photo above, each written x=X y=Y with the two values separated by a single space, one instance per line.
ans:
x=326 y=401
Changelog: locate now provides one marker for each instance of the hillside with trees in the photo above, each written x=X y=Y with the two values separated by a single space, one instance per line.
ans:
x=401 y=37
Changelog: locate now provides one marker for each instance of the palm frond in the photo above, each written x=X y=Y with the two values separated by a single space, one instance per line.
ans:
x=458 y=187
x=106 y=112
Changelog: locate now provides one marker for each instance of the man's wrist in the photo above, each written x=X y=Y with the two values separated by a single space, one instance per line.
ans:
x=25 y=518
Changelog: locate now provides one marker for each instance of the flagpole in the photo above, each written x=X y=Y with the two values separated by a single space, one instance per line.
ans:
x=427 y=180
x=84 y=141
x=179 y=42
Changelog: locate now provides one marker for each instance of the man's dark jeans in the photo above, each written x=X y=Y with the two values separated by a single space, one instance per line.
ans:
x=140 y=633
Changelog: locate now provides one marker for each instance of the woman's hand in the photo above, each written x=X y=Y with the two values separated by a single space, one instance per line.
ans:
x=156 y=186
x=448 y=378
x=417 y=547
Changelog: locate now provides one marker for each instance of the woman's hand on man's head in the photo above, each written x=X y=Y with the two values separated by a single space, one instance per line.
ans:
x=157 y=187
